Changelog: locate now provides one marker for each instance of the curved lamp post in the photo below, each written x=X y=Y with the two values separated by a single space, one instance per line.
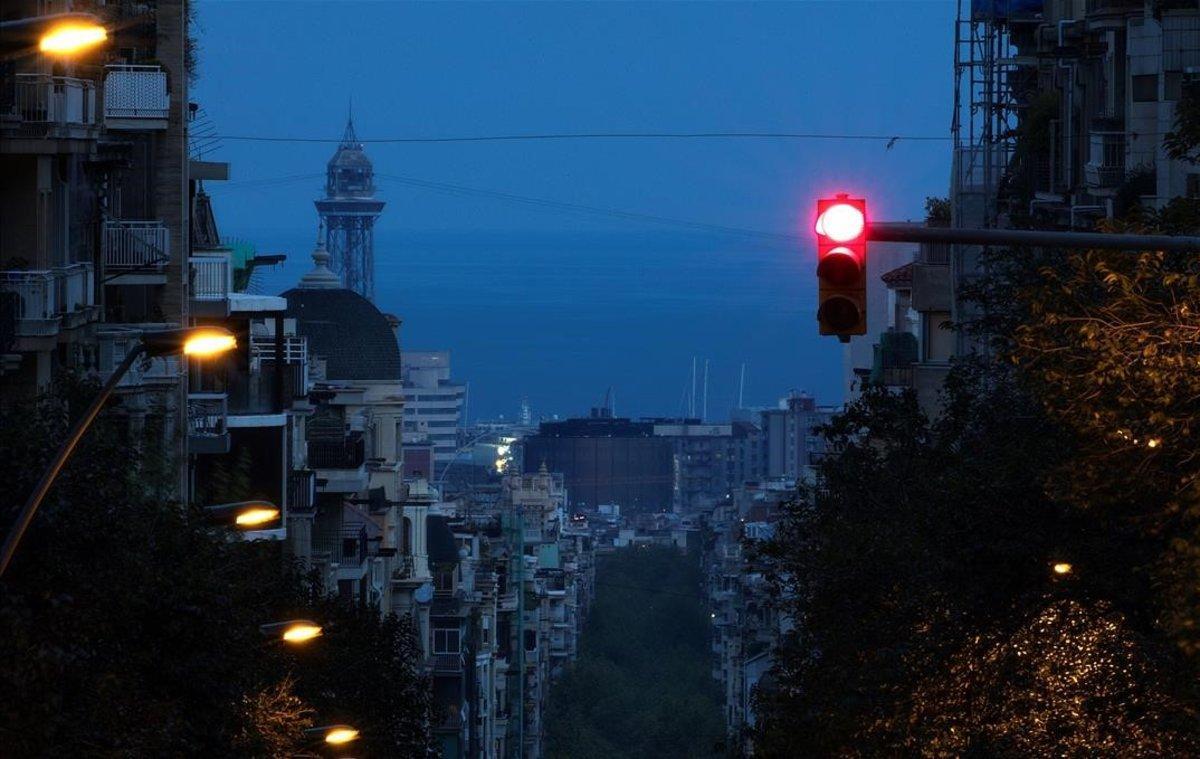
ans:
x=200 y=342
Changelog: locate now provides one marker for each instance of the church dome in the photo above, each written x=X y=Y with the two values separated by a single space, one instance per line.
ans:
x=354 y=338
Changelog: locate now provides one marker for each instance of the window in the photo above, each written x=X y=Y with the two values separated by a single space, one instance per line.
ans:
x=531 y=640
x=1145 y=88
x=443 y=579
x=446 y=640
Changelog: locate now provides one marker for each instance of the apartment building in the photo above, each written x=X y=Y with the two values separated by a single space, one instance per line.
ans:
x=434 y=405
x=96 y=205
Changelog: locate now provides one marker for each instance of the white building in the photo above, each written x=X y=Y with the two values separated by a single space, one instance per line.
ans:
x=433 y=402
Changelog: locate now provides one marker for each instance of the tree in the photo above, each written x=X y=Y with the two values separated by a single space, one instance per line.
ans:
x=129 y=627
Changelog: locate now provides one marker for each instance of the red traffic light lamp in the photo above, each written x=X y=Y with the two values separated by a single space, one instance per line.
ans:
x=841 y=229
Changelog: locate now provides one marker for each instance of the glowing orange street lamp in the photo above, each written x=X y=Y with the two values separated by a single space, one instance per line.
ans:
x=61 y=34
x=1062 y=568
x=246 y=515
x=334 y=735
x=72 y=37
x=201 y=342
x=293 y=631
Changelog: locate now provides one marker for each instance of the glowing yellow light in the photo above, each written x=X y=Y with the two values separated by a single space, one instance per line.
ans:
x=257 y=515
x=339 y=735
x=72 y=38
x=1153 y=442
x=204 y=343
x=302 y=632
x=1062 y=568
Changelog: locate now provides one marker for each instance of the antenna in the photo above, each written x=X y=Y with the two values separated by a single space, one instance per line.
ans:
x=704 y=411
x=742 y=386
x=692 y=404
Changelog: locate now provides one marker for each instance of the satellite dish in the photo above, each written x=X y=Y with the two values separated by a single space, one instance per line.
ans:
x=424 y=594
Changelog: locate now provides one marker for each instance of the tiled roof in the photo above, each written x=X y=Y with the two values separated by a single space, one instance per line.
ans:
x=346 y=330
x=901 y=276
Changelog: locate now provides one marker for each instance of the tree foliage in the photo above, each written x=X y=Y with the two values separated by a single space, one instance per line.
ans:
x=918 y=565
x=641 y=686
x=129 y=627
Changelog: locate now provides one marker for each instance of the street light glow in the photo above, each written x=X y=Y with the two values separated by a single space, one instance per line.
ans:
x=302 y=631
x=841 y=222
x=340 y=734
x=203 y=343
x=1062 y=568
x=256 y=515
x=72 y=38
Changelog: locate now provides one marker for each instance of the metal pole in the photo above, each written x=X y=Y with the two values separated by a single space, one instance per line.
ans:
x=25 y=518
x=902 y=232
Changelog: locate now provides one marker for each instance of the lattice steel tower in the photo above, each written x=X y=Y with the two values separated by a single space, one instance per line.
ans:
x=348 y=211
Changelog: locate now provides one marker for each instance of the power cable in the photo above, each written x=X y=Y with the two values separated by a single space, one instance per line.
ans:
x=889 y=139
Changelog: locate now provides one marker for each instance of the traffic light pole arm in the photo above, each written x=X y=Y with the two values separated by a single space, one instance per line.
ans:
x=902 y=232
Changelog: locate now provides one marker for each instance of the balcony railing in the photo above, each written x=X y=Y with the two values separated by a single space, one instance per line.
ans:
x=136 y=245
x=115 y=343
x=302 y=490
x=32 y=298
x=211 y=277
x=207 y=414
x=1106 y=159
x=346 y=546
x=136 y=92
x=38 y=99
x=337 y=454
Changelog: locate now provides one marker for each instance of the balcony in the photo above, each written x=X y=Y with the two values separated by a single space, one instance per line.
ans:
x=43 y=302
x=136 y=247
x=346 y=547
x=1105 y=168
x=208 y=432
x=136 y=97
x=115 y=342
x=49 y=106
x=210 y=280
x=337 y=454
x=302 y=493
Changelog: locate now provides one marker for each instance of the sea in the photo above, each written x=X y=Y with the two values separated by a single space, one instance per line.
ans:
x=564 y=319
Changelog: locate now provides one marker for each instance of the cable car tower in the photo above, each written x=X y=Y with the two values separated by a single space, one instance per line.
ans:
x=348 y=211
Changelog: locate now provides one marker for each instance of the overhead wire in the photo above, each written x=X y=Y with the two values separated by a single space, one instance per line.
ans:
x=891 y=139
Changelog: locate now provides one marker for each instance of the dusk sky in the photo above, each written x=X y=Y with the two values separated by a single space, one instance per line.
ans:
x=555 y=305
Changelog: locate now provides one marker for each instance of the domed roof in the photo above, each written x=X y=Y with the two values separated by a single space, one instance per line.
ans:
x=345 y=329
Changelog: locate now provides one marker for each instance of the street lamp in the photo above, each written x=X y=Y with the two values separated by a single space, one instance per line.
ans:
x=201 y=342
x=59 y=34
x=246 y=515
x=293 y=631
x=334 y=735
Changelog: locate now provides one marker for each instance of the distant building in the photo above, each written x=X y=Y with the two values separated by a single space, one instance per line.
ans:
x=433 y=404
x=789 y=444
x=606 y=460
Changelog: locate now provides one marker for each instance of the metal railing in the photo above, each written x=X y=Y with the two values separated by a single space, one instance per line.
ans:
x=115 y=343
x=76 y=287
x=211 y=277
x=136 y=92
x=60 y=100
x=33 y=298
x=302 y=490
x=135 y=244
x=934 y=253
x=295 y=349
x=346 y=546
x=1106 y=159
x=337 y=454
x=207 y=414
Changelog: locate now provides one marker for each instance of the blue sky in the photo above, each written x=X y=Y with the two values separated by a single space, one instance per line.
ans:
x=435 y=69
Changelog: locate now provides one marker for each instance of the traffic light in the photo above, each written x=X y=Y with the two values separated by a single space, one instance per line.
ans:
x=841 y=229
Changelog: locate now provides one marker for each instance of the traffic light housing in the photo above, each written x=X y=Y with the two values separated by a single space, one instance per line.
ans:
x=841 y=229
